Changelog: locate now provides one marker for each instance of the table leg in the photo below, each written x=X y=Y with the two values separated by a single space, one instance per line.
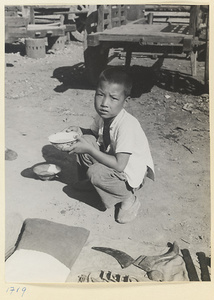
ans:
x=193 y=61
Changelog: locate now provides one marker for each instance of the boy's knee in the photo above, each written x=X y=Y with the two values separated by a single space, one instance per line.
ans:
x=95 y=173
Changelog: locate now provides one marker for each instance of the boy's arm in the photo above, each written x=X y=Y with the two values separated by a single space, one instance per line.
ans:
x=81 y=131
x=117 y=162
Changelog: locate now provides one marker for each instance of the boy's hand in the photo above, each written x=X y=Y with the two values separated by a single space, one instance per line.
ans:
x=80 y=147
x=74 y=128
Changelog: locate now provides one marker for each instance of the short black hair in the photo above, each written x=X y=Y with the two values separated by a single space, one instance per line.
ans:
x=113 y=75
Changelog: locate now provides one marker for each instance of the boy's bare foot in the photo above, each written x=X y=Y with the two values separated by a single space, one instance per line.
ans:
x=84 y=185
x=128 y=212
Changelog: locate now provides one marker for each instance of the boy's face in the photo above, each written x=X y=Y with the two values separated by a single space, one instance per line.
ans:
x=109 y=99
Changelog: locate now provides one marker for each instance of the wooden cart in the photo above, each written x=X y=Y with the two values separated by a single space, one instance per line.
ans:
x=111 y=28
x=20 y=23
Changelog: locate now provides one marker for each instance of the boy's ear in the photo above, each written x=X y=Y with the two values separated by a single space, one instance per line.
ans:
x=127 y=99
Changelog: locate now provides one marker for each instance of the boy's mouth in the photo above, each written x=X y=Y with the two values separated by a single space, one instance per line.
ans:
x=103 y=111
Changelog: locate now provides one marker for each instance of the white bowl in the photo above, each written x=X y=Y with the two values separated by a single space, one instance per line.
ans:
x=46 y=171
x=63 y=140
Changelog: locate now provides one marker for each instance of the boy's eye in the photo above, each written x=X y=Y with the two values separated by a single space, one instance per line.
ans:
x=114 y=98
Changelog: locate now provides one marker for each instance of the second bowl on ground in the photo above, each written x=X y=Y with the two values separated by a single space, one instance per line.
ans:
x=46 y=171
x=63 y=140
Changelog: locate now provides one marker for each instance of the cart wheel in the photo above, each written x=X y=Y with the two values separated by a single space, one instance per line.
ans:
x=79 y=36
x=80 y=20
x=96 y=59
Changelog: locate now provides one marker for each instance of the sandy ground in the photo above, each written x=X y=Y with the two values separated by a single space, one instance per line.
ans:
x=43 y=96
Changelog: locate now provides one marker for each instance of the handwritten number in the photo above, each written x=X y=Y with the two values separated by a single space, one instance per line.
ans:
x=23 y=290
x=12 y=289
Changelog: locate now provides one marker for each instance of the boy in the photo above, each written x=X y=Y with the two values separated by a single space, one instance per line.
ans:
x=114 y=152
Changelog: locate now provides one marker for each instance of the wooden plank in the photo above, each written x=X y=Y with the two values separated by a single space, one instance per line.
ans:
x=19 y=32
x=166 y=14
x=70 y=28
x=71 y=12
x=193 y=62
x=93 y=40
x=48 y=17
x=137 y=32
x=16 y=21
x=32 y=16
x=116 y=16
x=45 y=27
x=171 y=20
x=100 y=23
x=206 y=73
x=28 y=12
x=155 y=38
x=142 y=29
x=54 y=7
x=188 y=43
x=168 y=7
x=45 y=21
x=194 y=20
x=128 y=58
x=43 y=31
x=149 y=39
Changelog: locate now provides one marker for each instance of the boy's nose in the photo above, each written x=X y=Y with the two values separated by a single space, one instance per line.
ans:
x=105 y=101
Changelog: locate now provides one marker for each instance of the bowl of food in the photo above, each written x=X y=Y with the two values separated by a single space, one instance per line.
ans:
x=46 y=171
x=63 y=140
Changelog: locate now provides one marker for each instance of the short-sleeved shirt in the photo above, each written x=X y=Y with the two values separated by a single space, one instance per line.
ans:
x=127 y=136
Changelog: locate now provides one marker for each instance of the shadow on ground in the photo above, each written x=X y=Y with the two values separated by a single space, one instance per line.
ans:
x=15 y=47
x=90 y=198
x=182 y=83
x=66 y=162
x=68 y=176
x=144 y=78
x=71 y=77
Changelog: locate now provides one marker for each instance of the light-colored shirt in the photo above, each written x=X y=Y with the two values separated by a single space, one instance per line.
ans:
x=127 y=136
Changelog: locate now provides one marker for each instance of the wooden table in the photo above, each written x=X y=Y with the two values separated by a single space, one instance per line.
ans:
x=163 y=38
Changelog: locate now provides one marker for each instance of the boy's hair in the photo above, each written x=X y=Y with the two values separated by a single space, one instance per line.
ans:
x=113 y=75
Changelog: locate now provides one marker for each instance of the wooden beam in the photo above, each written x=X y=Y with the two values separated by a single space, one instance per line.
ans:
x=16 y=21
x=188 y=43
x=194 y=20
x=193 y=62
x=206 y=73
x=128 y=58
x=167 y=14
x=15 y=33
x=93 y=40
x=70 y=28
x=43 y=31
x=161 y=39
x=100 y=23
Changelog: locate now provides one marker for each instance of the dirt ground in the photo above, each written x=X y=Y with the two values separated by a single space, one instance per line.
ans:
x=43 y=96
